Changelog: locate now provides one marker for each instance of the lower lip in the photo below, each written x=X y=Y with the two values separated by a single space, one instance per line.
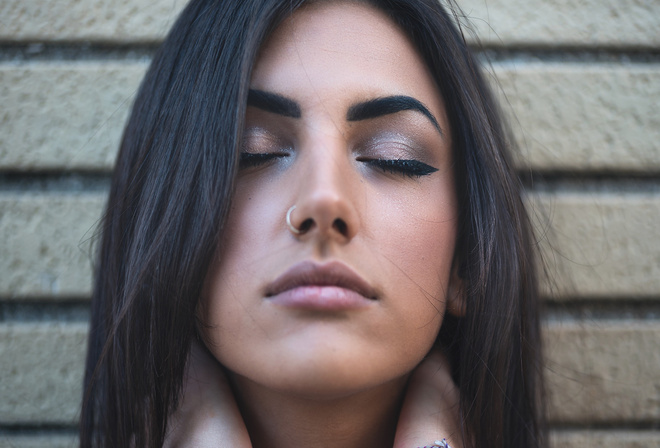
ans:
x=321 y=298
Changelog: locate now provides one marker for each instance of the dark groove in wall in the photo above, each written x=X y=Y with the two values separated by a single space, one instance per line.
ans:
x=92 y=51
x=568 y=55
x=27 y=429
x=590 y=181
x=48 y=310
x=591 y=174
x=80 y=181
x=613 y=427
x=582 y=309
x=70 y=181
x=81 y=51
x=54 y=430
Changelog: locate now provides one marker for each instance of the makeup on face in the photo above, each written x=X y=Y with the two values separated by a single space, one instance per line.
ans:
x=261 y=146
x=345 y=122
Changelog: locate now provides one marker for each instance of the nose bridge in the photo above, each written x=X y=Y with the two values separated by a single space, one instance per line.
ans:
x=326 y=199
x=326 y=176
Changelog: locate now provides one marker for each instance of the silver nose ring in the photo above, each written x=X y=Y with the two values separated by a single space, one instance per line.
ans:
x=292 y=228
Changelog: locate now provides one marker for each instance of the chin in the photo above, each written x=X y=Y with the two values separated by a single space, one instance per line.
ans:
x=327 y=371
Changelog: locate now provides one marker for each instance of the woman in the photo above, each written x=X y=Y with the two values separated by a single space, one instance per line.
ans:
x=310 y=197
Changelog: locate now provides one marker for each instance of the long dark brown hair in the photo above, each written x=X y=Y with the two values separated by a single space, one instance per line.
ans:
x=170 y=197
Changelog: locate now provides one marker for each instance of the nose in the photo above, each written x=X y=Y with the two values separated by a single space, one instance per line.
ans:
x=326 y=203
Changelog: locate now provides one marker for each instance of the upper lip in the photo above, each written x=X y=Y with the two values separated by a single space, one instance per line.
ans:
x=308 y=273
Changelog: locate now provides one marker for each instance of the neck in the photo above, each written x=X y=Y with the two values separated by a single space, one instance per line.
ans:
x=276 y=419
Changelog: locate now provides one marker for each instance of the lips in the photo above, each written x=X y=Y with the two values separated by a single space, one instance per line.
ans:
x=329 y=286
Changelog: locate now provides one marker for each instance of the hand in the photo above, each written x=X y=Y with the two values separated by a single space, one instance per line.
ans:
x=430 y=407
x=207 y=415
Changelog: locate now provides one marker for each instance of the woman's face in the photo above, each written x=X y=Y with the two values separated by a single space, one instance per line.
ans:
x=346 y=123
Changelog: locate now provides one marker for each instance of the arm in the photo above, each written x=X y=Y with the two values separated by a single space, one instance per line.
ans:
x=208 y=415
x=430 y=408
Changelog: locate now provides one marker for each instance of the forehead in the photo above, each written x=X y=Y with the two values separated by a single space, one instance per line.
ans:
x=339 y=46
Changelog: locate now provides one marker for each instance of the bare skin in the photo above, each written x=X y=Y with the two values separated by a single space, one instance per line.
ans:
x=209 y=417
x=325 y=360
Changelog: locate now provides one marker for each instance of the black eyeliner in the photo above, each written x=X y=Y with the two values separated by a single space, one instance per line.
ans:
x=407 y=167
x=249 y=160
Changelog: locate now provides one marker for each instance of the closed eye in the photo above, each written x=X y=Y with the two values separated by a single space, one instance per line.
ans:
x=405 y=167
x=250 y=160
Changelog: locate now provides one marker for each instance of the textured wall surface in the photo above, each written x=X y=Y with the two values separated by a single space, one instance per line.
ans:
x=581 y=82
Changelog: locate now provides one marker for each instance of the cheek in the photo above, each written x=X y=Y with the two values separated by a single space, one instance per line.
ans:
x=417 y=237
x=253 y=233
x=234 y=276
x=415 y=234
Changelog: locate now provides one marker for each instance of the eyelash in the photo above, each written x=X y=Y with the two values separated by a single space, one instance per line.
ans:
x=405 y=167
x=250 y=160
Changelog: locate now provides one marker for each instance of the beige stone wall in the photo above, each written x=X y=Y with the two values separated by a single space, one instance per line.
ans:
x=581 y=78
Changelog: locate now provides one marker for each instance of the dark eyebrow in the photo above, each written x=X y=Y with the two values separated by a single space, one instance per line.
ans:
x=389 y=105
x=272 y=102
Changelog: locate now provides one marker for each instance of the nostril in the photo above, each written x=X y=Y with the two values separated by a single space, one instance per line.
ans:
x=340 y=226
x=306 y=225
